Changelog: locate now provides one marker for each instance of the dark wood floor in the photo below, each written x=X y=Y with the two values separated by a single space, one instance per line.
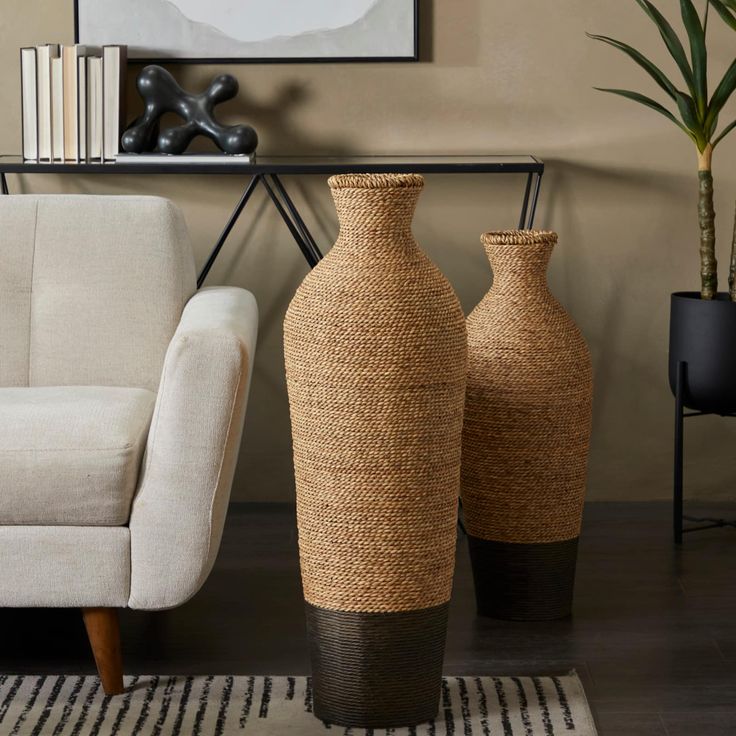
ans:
x=653 y=636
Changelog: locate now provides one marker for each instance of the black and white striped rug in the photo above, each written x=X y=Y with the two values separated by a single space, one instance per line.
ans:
x=271 y=706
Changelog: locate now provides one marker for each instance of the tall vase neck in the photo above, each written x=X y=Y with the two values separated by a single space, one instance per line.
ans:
x=519 y=260
x=376 y=210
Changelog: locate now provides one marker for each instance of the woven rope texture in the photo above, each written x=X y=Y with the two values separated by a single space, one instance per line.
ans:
x=529 y=402
x=375 y=350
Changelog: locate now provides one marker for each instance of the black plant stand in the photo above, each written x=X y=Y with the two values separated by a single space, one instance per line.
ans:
x=266 y=172
x=681 y=414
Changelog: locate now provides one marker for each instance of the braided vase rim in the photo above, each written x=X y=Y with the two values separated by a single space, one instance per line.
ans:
x=519 y=237
x=376 y=181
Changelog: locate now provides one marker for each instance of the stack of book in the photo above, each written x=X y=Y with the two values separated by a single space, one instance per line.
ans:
x=73 y=102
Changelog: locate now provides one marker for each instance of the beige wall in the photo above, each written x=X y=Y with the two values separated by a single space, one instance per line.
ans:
x=497 y=76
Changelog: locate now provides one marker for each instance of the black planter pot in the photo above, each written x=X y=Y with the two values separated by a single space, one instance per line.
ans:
x=703 y=336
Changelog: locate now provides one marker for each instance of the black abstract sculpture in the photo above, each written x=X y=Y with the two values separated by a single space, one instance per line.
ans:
x=162 y=94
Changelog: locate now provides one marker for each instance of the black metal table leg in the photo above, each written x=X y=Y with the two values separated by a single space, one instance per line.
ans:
x=305 y=248
x=677 y=504
x=298 y=220
x=525 y=203
x=230 y=224
x=293 y=219
x=535 y=201
x=461 y=518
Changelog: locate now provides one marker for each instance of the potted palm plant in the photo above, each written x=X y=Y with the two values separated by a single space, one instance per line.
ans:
x=702 y=324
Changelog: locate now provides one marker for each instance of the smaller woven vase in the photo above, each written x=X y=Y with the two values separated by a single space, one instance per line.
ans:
x=526 y=435
x=375 y=350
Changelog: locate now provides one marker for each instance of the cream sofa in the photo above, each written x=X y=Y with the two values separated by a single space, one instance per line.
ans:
x=122 y=400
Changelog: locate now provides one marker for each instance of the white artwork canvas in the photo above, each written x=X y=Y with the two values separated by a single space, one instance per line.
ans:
x=250 y=30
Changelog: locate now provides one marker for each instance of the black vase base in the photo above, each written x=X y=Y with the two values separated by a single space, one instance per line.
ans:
x=376 y=670
x=523 y=582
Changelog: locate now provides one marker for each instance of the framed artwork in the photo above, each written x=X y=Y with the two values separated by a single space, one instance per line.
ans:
x=218 y=31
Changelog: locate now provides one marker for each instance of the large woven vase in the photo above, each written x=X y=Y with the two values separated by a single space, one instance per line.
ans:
x=375 y=349
x=526 y=435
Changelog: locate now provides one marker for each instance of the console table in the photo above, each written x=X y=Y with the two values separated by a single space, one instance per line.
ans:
x=268 y=170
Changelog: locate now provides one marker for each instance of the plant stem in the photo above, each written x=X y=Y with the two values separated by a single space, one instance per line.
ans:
x=732 y=268
x=706 y=219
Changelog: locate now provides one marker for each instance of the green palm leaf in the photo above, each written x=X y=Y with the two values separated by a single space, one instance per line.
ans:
x=724 y=12
x=650 y=103
x=655 y=73
x=711 y=128
x=723 y=93
x=674 y=46
x=689 y=114
x=698 y=54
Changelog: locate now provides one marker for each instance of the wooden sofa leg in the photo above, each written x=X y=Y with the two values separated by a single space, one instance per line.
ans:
x=103 y=631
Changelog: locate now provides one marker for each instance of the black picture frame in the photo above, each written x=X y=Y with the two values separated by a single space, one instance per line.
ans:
x=273 y=60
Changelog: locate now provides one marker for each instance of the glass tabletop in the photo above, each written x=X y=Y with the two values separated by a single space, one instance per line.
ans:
x=406 y=163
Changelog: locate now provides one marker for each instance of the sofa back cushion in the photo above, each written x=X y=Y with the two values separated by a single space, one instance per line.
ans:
x=91 y=288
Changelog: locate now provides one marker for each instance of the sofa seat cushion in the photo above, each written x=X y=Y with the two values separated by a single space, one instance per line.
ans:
x=71 y=454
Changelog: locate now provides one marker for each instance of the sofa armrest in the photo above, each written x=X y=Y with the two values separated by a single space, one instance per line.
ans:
x=180 y=505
